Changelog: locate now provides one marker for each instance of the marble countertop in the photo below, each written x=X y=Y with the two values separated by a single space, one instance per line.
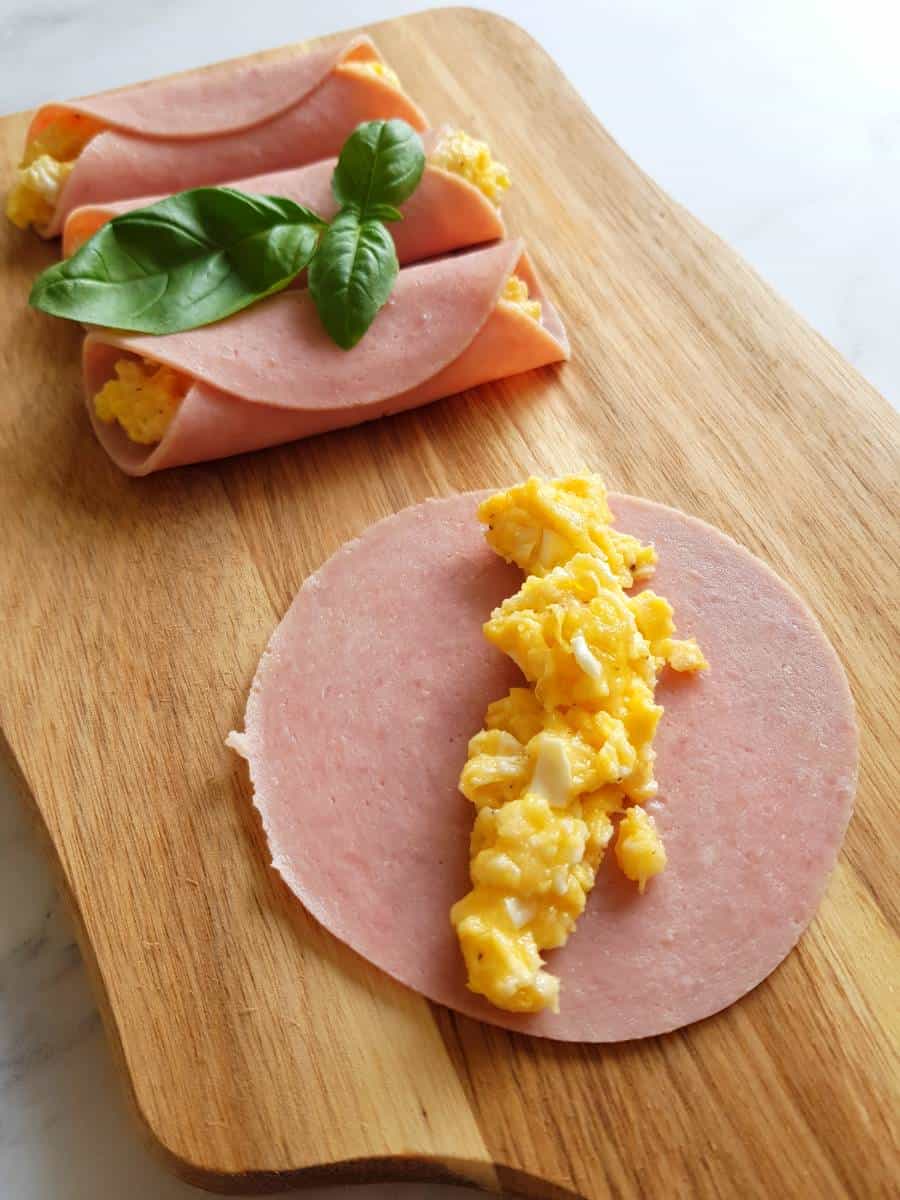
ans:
x=777 y=122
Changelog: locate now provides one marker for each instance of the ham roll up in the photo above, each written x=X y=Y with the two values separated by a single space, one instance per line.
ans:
x=271 y=373
x=233 y=120
x=455 y=205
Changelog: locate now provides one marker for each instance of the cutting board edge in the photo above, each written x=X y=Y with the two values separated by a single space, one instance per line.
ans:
x=409 y=1167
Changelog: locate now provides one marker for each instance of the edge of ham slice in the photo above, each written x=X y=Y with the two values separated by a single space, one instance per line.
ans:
x=271 y=373
x=356 y=730
x=226 y=97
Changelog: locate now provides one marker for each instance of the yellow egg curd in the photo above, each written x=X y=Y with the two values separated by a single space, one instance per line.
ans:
x=48 y=162
x=557 y=760
x=464 y=155
x=143 y=397
x=515 y=295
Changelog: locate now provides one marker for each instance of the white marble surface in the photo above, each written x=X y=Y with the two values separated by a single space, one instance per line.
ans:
x=775 y=121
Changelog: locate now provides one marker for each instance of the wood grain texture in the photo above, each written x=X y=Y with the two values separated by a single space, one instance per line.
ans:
x=258 y=1051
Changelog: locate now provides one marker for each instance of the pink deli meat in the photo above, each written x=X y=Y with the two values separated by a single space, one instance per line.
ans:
x=356 y=731
x=271 y=374
x=445 y=212
x=234 y=120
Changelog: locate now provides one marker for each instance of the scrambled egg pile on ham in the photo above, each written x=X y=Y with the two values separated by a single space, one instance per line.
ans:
x=556 y=760
x=48 y=163
x=143 y=398
x=466 y=156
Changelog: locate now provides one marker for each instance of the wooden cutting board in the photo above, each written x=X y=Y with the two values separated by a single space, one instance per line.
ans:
x=258 y=1051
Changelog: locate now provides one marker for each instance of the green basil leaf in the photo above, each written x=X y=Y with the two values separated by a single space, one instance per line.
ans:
x=383 y=212
x=186 y=261
x=351 y=275
x=379 y=167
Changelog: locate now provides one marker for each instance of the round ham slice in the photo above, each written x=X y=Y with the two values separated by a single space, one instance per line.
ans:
x=271 y=373
x=444 y=213
x=356 y=731
x=236 y=120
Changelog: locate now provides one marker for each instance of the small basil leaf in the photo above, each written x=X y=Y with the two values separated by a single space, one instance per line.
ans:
x=351 y=276
x=383 y=212
x=186 y=261
x=380 y=164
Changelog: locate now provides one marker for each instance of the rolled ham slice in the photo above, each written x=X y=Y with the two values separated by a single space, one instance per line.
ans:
x=234 y=120
x=356 y=731
x=271 y=374
x=446 y=212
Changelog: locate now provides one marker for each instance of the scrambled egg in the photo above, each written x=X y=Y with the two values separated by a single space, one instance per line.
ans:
x=472 y=159
x=542 y=524
x=557 y=760
x=32 y=198
x=48 y=162
x=639 y=850
x=143 y=398
x=515 y=294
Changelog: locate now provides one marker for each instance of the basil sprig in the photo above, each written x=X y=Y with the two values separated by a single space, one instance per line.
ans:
x=353 y=272
x=207 y=253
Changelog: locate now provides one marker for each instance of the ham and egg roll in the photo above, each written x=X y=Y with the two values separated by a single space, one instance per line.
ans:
x=271 y=373
x=233 y=120
x=455 y=205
